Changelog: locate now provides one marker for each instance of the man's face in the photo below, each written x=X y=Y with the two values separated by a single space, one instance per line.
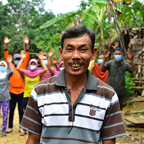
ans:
x=117 y=53
x=77 y=54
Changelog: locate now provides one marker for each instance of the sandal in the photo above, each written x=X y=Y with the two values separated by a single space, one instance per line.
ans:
x=3 y=134
x=23 y=133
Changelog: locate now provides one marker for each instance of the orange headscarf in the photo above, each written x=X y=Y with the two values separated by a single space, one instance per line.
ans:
x=99 y=74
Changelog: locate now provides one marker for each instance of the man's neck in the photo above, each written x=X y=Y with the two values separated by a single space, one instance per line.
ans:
x=75 y=82
x=118 y=63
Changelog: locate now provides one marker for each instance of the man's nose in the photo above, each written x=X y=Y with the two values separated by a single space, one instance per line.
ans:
x=76 y=54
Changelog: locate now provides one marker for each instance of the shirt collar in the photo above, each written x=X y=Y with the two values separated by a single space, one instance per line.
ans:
x=120 y=63
x=92 y=82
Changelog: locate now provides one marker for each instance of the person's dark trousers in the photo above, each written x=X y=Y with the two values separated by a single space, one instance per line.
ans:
x=120 y=97
x=25 y=101
x=14 y=99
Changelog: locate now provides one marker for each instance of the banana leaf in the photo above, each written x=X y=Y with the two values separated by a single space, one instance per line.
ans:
x=59 y=18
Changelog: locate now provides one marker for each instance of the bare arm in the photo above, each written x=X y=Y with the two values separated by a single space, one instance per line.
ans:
x=129 y=54
x=106 y=54
x=23 y=55
x=33 y=139
x=43 y=65
x=111 y=141
x=25 y=62
x=6 y=53
x=49 y=62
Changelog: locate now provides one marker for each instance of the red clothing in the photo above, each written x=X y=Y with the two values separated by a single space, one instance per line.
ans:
x=99 y=74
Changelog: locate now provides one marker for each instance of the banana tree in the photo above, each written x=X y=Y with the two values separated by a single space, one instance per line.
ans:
x=92 y=16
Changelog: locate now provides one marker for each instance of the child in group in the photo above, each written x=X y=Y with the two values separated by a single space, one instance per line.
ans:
x=4 y=90
x=30 y=77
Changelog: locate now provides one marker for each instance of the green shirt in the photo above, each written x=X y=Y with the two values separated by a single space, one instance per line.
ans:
x=116 y=77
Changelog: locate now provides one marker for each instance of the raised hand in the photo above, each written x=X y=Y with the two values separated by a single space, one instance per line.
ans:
x=9 y=59
x=106 y=54
x=40 y=55
x=116 y=45
x=50 y=53
x=6 y=40
x=23 y=54
x=26 y=40
x=54 y=60
x=129 y=54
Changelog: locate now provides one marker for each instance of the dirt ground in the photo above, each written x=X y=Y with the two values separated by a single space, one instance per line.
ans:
x=134 y=135
x=13 y=137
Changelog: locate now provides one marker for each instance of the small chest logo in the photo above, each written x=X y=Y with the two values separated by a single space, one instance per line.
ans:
x=92 y=112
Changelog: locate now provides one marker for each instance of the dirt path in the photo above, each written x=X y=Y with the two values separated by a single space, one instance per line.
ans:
x=13 y=137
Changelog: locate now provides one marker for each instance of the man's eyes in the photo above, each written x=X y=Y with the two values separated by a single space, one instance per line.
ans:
x=83 y=50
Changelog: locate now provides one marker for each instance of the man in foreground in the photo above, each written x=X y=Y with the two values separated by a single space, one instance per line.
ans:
x=117 y=68
x=74 y=107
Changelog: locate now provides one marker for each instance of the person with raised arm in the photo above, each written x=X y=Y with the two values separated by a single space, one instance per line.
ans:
x=53 y=71
x=16 y=84
x=74 y=107
x=4 y=90
x=30 y=77
x=117 y=68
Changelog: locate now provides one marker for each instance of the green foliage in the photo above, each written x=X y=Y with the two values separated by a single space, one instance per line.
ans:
x=50 y=42
x=129 y=84
x=59 y=18
x=133 y=15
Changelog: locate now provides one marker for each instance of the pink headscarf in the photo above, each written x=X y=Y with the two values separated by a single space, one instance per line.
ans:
x=61 y=63
x=32 y=73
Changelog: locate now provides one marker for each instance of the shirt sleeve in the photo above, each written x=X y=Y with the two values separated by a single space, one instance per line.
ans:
x=31 y=120
x=128 y=67
x=6 y=53
x=57 y=67
x=107 y=65
x=113 y=124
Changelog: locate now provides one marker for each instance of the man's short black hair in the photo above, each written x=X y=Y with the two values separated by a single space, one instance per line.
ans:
x=118 y=49
x=78 y=31
x=99 y=55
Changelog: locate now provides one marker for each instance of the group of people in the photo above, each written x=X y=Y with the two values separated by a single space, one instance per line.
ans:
x=74 y=106
x=22 y=81
x=113 y=71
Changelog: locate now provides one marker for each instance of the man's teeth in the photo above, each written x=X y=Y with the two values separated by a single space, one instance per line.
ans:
x=75 y=65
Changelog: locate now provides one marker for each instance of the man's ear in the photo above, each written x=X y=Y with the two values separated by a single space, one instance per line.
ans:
x=60 y=51
x=94 y=52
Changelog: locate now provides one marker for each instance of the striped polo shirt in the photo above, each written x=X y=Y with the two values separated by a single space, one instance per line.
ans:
x=95 y=115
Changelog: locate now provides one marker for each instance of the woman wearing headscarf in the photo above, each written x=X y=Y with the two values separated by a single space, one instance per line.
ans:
x=30 y=77
x=4 y=90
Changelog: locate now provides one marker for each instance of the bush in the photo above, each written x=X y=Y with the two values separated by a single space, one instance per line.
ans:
x=129 y=84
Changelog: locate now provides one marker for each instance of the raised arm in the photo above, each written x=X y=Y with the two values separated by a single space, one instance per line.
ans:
x=129 y=54
x=56 y=63
x=49 y=62
x=106 y=55
x=26 y=60
x=6 y=54
x=23 y=55
x=9 y=60
x=40 y=56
